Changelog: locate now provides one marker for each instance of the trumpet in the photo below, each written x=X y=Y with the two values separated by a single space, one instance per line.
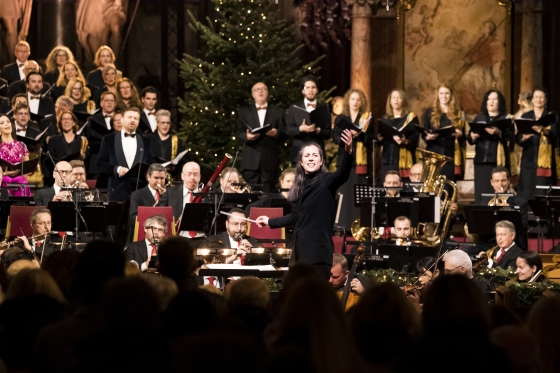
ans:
x=499 y=200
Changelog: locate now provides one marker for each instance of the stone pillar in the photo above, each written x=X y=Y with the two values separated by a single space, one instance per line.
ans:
x=360 y=74
x=531 y=45
x=57 y=25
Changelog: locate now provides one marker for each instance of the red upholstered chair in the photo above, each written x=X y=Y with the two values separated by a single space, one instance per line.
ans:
x=255 y=231
x=91 y=183
x=144 y=212
x=18 y=220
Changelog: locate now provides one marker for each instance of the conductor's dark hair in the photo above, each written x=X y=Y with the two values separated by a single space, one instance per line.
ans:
x=32 y=73
x=297 y=186
x=500 y=169
x=235 y=210
x=309 y=78
x=148 y=89
x=532 y=258
x=501 y=102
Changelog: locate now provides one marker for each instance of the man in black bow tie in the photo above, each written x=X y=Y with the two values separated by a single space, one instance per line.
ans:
x=120 y=151
x=148 y=123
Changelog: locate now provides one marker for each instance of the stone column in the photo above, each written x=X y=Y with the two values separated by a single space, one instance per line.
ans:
x=57 y=25
x=360 y=74
x=531 y=45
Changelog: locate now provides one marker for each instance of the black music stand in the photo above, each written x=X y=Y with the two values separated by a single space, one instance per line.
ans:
x=403 y=257
x=388 y=209
x=482 y=220
x=365 y=197
x=546 y=207
x=65 y=217
x=197 y=217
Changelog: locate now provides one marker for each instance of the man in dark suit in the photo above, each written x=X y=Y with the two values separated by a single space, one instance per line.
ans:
x=260 y=150
x=120 y=151
x=305 y=132
x=41 y=242
x=24 y=125
x=14 y=71
x=62 y=176
x=145 y=252
x=98 y=126
x=39 y=105
x=506 y=254
x=148 y=123
x=152 y=194
x=234 y=236
x=21 y=87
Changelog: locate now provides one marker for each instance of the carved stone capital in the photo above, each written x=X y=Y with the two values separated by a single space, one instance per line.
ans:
x=361 y=8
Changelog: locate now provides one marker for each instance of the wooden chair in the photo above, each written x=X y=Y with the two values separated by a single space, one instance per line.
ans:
x=265 y=232
x=91 y=183
x=18 y=220
x=144 y=212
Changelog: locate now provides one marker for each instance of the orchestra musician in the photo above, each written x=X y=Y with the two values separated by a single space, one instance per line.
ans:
x=529 y=265
x=127 y=95
x=399 y=153
x=235 y=236
x=120 y=151
x=148 y=122
x=12 y=151
x=103 y=57
x=164 y=144
x=14 y=71
x=286 y=179
x=69 y=71
x=356 y=111
x=40 y=241
x=506 y=252
x=144 y=252
x=402 y=227
x=55 y=61
x=305 y=132
x=62 y=175
x=392 y=180
x=228 y=177
x=151 y=195
x=313 y=206
x=445 y=112
x=490 y=150
x=78 y=175
x=339 y=278
x=260 y=150
x=538 y=163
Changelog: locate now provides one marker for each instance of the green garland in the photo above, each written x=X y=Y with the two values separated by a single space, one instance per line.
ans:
x=494 y=277
x=401 y=279
x=273 y=286
x=529 y=293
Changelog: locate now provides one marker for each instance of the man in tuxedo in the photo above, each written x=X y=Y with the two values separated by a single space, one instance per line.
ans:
x=24 y=125
x=39 y=105
x=148 y=123
x=234 y=236
x=14 y=71
x=260 y=150
x=145 y=252
x=97 y=126
x=21 y=87
x=179 y=195
x=305 y=132
x=153 y=194
x=62 y=178
x=120 y=151
x=41 y=242
x=507 y=252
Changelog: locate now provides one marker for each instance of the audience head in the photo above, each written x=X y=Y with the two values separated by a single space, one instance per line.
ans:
x=149 y=98
x=163 y=120
x=34 y=282
x=248 y=291
x=22 y=51
x=310 y=87
x=528 y=264
x=392 y=180
x=156 y=176
x=260 y=93
x=104 y=56
x=396 y=101
x=228 y=177
x=61 y=173
x=34 y=83
x=21 y=264
x=191 y=175
x=402 y=227
x=14 y=254
x=155 y=228
x=131 y=119
x=108 y=102
x=416 y=172
x=165 y=288
x=354 y=101
x=61 y=265
x=40 y=220
x=339 y=271
x=116 y=121
x=236 y=225
x=544 y=324
x=505 y=234
x=457 y=262
x=519 y=345
x=176 y=260
x=78 y=171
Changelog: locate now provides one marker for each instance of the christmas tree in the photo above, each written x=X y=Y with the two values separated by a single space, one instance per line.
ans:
x=245 y=43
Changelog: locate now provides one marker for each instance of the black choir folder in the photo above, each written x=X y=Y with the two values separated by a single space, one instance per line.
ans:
x=345 y=124
x=138 y=169
x=388 y=131
x=28 y=166
x=480 y=127
x=315 y=117
x=258 y=130
x=524 y=125
x=443 y=132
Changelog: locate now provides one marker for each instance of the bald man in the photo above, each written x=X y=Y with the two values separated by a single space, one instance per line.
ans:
x=62 y=178
x=179 y=195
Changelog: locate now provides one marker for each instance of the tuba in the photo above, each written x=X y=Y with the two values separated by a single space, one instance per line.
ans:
x=432 y=234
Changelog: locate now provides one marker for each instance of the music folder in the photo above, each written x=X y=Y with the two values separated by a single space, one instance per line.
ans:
x=28 y=166
x=314 y=117
x=133 y=172
x=388 y=131
x=175 y=160
x=265 y=128
x=443 y=132
x=343 y=123
x=524 y=125
x=480 y=127
x=33 y=143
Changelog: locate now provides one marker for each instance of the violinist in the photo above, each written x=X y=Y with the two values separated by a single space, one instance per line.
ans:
x=457 y=262
x=529 y=267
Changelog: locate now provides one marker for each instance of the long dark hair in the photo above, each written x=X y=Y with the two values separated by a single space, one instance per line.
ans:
x=297 y=186
x=501 y=102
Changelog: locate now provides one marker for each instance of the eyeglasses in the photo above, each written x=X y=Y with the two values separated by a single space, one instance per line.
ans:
x=160 y=230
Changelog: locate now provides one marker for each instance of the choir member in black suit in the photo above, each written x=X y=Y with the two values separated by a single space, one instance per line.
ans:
x=148 y=123
x=398 y=152
x=24 y=125
x=55 y=61
x=120 y=151
x=109 y=75
x=38 y=104
x=538 y=163
x=69 y=71
x=98 y=126
x=305 y=132
x=152 y=194
x=62 y=178
x=235 y=236
x=103 y=57
x=67 y=143
x=492 y=149
x=446 y=112
x=165 y=146
x=355 y=111
x=14 y=71
x=127 y=94
x=145 y=251
x=80 y=96
x=21 y=85
x=260 y=150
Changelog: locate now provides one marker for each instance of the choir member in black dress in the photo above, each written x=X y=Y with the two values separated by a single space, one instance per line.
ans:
x=67 y=143
x=398 y=152
x=110 y=77
x=490 y=150
x=356 y=111
x=164 y=144
x=58 y=56
x=538 y=163
x=80 y=96
x=69 y=71
x=127 y=95
x=314 y=205
x=103 y=57
x=446 y=112
x=305 y=132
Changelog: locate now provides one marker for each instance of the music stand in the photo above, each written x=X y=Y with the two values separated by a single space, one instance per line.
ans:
x=195 y=217
x=389 y=209
x=482 y=219
x=364 y=197
x=547 y=207
x=65 y=217
x=403 y=256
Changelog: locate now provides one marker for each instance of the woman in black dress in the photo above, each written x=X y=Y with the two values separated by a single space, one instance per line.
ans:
x=67 y=143
x=491 y=150
x=58 y=56
x=314 y=206
x=103 y=57
x=355 y=111
x=398 y=153
x=445 y=112
x=538 y=164
x=80 y=96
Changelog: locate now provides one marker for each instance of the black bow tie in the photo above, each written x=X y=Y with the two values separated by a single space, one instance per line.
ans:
x=130 y=135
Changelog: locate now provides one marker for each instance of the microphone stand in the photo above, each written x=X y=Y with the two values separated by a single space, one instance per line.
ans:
x=139 y=168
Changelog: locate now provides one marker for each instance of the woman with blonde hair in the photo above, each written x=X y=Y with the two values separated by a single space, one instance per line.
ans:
x=58 y=56
x=80 y=96
x=127 y=95
x=398 y=152
x=446 y=112
x=103 y=57
x=70 y=70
